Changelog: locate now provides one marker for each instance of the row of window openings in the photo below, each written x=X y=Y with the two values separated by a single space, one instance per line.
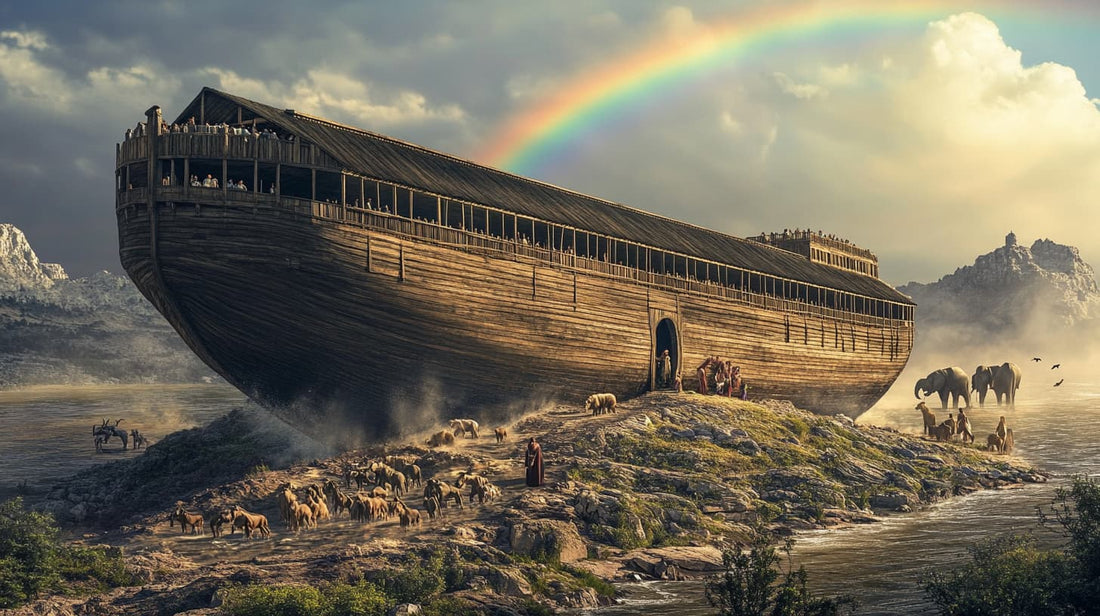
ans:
x=299 y=182
x=824 y=256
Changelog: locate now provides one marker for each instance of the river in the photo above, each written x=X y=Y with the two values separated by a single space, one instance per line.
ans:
x=48 y=433
x=48 y=430
x=880 y=563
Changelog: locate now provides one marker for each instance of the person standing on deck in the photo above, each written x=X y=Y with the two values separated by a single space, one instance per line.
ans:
x=664 y=370
x=533 y=463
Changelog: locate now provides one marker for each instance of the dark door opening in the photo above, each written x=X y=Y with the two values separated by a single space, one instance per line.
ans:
x=666 y=341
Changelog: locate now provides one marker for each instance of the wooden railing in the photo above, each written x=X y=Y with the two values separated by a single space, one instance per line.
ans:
x=210 y=145
x=502 y=247
x=478 y=242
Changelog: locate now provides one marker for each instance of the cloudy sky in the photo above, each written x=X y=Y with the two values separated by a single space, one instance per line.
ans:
x=925 y=136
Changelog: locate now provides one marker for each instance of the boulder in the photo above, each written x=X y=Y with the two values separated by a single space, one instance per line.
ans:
x=889 y=501
x=405 y=609
x=552 y=539
x=510 y=583
x=674 y=562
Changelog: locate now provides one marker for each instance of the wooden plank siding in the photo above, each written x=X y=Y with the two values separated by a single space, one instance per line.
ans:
x=388 y=321
x=286 y=303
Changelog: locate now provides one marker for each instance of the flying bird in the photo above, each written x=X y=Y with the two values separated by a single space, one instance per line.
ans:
x=1056 y=366
x=1036 y=359
x=1059 y=383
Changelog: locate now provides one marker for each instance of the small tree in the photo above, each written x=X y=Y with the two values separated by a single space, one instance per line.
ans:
x=1010 y=576
x=28 y=553
x=755 y=584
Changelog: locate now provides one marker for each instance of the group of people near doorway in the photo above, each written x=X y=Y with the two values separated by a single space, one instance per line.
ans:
x=722 y=375
x=725 y=377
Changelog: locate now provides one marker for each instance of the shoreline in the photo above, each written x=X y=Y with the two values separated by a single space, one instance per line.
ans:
x=655 y=491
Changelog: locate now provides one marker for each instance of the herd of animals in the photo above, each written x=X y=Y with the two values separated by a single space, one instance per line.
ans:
x=953 y=382
x=380 y=490
x=392 y=479
x=102 y=433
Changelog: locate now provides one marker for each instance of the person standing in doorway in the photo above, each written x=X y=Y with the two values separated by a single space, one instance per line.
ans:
x=664 y=370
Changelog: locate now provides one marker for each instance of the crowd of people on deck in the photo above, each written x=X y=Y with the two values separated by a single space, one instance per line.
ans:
x=190 y=126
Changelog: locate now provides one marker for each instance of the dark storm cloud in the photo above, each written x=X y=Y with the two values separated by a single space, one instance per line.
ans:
x=840 y=140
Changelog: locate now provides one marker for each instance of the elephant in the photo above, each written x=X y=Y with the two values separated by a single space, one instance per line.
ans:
x=951 y=381
x=1003 y=379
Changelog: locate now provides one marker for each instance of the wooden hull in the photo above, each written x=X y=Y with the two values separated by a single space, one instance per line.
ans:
x=356 y=332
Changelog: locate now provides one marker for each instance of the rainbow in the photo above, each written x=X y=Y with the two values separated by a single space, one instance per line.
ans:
x=597 y=97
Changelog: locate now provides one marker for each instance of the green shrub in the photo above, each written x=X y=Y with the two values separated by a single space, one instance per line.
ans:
x=262 y=600
x=1007 y=575
x=362 y=599
x=28 y=554
x=1010 y=575
x=753 y=584
x=34 y=560
x=417 y=581
x=99 y=567
x=586 y=578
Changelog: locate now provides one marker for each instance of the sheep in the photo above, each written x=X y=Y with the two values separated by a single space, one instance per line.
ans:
x=501 y=434
x=599 y=404
x=466 y=426
x=442 y=438
x=185 y=519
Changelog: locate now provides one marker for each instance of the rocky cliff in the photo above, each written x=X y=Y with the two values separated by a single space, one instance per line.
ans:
x=1016 y=293
x=99 y=329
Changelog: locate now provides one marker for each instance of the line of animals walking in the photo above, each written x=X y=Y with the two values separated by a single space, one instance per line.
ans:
x=393 y=478
x=102 y=434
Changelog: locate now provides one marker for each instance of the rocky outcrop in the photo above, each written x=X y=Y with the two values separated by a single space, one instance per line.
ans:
x=1024 y=293
x=97 y=329
x=548 y=540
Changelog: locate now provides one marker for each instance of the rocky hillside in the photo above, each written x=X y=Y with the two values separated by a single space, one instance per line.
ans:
x=99 y=329
x=1015 y=293
x=654 y=491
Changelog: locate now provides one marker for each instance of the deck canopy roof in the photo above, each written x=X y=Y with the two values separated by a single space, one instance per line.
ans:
x=391 y=160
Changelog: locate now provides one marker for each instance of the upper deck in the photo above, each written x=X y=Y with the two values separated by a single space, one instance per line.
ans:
x=170 y=165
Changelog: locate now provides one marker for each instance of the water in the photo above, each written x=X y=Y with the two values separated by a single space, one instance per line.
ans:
x=48 y=430
x=880 y=563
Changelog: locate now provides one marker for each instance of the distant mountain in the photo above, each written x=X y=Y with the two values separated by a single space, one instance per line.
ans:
x=99 y=329
x=1038 y=295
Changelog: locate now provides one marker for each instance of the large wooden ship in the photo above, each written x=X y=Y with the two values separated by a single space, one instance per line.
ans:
x=353 y=281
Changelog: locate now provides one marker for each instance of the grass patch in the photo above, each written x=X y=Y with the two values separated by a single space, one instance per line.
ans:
x=34 y=560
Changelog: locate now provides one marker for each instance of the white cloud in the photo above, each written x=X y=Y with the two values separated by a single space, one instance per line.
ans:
x=804 y=91
x=340 y=97
x=953 y=140
x=26 y=39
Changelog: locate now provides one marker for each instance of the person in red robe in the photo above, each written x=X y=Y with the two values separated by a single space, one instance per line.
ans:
x=534 y=464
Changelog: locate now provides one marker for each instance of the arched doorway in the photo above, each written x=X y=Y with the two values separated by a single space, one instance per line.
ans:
x=666 y=339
